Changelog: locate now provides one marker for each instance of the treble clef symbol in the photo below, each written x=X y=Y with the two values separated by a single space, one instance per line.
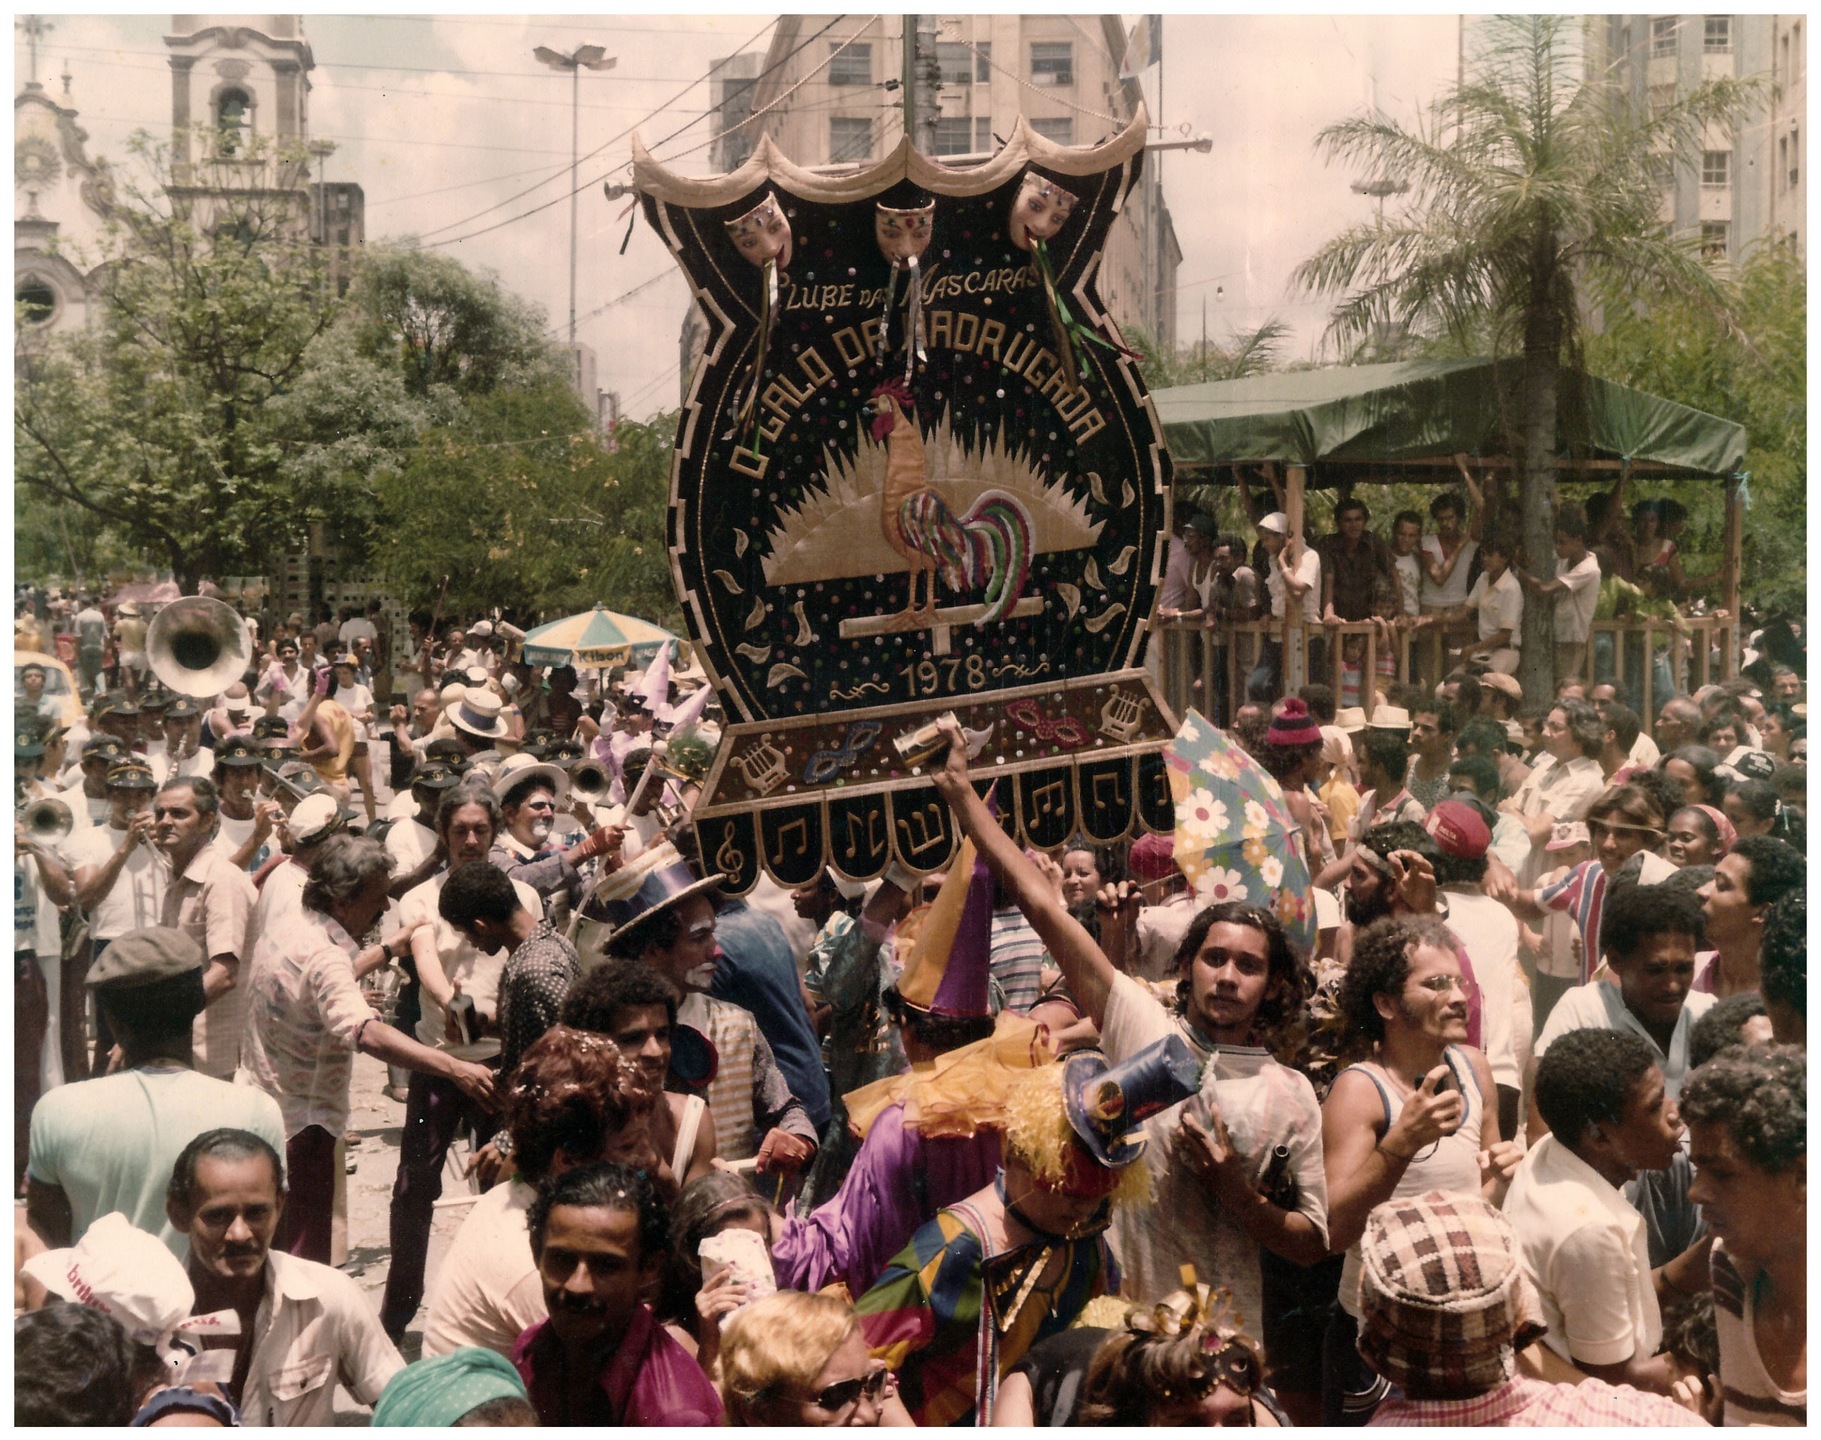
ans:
x=826 y=764
x=729 y=859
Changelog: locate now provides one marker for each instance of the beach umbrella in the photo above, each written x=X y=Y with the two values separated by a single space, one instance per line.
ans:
x=599 y=638
x=1235 y=836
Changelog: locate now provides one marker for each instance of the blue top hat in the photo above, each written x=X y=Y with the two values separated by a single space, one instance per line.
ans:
x=1108 y=1105
x=651 y=881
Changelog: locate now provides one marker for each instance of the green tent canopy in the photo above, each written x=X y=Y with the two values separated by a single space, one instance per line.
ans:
x=1353 y=421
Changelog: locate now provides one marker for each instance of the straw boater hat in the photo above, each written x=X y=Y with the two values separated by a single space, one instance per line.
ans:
x=520 y=768
x=478 y=713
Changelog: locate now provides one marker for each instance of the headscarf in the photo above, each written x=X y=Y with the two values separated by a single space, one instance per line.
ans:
x=440 y=1391
x=1726 y=836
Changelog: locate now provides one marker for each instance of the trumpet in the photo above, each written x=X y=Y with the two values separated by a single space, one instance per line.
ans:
x=590 y=781
x=47 y=821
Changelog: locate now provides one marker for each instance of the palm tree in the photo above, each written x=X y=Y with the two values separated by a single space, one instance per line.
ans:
x=1535 y=190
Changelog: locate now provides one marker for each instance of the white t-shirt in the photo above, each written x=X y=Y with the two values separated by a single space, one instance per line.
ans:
x=479 y=974
x=359 y=628
x=1308 y=571
x=137 y=894
x=235 y=833
x=1574 y=611
x=1409 y=572
x=1264 y=1105
x=1501 y=607
x=1584 y=1248
x=1600 y=1005
x=1455 y=591
x=1489 y=933
x=410 y=843
x=487 y=1291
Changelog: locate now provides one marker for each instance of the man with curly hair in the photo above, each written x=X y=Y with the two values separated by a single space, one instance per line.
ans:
x=1756 y=872
x=1783 y=967
x=1418 y=1113
x=1215 y=1162
x=1747 y=1114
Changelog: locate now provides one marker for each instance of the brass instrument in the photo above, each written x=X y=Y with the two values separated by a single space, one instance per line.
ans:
x=197 y=646
x=48 y=820
x=590 y=781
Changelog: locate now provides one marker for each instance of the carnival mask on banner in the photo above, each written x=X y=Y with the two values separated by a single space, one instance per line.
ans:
x=1040 y=211
x=904 y=234
x=762 y=236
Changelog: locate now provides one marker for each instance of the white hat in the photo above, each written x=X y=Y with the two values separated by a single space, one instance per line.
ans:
x=478 y=712
x=1389 y=717
x=1349 y=719
x=481 y=629
x=131 y=1276
x=519 y=768
x=316 y=817
x=1277 y=522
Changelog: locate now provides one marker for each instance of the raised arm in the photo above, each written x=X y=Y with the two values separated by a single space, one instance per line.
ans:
x=1086 y=968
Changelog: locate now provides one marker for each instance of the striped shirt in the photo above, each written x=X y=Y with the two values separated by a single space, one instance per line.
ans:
x=1751 y=1396
x=748 y=1095
x=1524 y=1402
x=1017 y=959
x=1581 y=895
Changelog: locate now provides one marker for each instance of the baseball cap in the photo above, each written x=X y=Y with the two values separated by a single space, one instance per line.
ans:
x=1277 y=522
x=1458 y=830
x=146 y=956
x=316 y=817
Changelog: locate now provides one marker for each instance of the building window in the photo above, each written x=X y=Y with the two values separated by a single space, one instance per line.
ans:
x=1716 y=168
x=853 y=65
x=1053 y=62
x=1059 y=131
x=983 y=134
x=36 y=300
x=983 y=62
x=232 y=110
x=1795 y=156
x=954 y=135
x=1663 y=36
x=956 y=61
x=1713 y=239
x=1716 y=34
x=849 y=139
x=1789 y=178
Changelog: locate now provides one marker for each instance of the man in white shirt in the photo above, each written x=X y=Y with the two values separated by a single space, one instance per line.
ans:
x=1648 y=933
x=1573 y=736
x=1292 y=578
x=119 y=882
x=1580 y=1241
x=304 y=1327
x=1496 y=603
x=1575 y=589
x=183 y=754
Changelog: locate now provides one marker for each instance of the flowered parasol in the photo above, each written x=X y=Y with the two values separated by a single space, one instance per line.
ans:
x=1235 y=836
x=597 y=637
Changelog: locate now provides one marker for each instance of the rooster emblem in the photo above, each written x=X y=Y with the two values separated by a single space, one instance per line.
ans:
x=989 y=547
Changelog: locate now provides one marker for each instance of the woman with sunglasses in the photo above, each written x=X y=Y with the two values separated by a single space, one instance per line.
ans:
x=797 y=1359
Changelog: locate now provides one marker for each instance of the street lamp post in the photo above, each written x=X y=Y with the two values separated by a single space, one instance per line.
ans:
x=583 y=57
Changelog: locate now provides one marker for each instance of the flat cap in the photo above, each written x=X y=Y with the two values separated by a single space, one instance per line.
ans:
x=144 y=957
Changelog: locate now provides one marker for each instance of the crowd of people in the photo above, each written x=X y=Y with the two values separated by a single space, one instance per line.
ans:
x=1038 y=1139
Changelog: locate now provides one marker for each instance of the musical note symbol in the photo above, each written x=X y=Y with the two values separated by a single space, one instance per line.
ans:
x=729 y=859
x=802 y=837
x=928 y=817
x=1050 y=800
x=872 y=840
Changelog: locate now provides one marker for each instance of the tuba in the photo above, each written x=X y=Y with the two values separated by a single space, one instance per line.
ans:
x=590 y=781
x=197 y=646
x=47 y=821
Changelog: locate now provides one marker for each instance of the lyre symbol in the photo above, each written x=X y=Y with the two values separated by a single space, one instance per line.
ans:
x=1122 y=716
x=762 y=765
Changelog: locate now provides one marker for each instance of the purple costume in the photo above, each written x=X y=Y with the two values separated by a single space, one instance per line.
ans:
x=899 y=1180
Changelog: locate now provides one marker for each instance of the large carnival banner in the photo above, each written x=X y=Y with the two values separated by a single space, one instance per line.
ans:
x=916 y=474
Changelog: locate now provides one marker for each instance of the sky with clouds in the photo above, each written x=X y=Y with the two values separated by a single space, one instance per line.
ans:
x=445 y=119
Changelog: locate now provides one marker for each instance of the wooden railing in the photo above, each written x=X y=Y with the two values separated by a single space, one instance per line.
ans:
x=1195 y=659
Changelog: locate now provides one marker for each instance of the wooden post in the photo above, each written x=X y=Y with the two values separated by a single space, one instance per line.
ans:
x=1294 y=640
x=1733 y=567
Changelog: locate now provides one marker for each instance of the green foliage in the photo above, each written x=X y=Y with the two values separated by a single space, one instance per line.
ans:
x=1753 y=371
x=545 y=525
x=1238 y=354
x=159 y=418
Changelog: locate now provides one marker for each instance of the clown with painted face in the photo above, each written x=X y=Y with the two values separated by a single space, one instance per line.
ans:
x=1016 y=1262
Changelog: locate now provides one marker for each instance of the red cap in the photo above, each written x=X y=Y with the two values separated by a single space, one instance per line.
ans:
x=1458 y=830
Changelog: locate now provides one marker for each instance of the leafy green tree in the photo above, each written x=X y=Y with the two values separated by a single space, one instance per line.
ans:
x=1534 y=191
x=1753 y=370
x=160 y=417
